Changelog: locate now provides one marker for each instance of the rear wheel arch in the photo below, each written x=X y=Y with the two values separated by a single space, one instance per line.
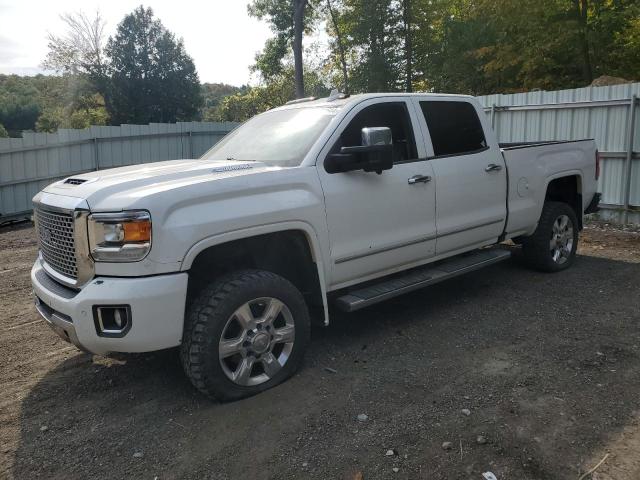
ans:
x=566 y=188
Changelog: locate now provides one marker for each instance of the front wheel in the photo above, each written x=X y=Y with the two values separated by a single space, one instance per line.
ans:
x=245 y=333
x=553 y=245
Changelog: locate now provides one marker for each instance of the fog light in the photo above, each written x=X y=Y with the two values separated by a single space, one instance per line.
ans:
x=117 y=318
x=112 y=320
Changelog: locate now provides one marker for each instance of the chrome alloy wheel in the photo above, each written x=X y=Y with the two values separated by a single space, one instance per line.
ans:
x=561 y=244
x=256 y=341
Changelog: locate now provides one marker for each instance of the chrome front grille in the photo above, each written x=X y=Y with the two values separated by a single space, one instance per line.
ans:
x=56 y=240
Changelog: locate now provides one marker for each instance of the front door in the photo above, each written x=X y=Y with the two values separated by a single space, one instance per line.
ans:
x=379 y=222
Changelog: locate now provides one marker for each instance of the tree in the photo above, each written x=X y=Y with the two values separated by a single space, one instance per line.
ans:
x=298 y=27
x=49 y=102
x=625 y=57
x=80 y=51
x=69 y=101
x=276 y=92
x=550 y=44
x=85 y=111
x=153 y=79
x=20 y=103
x=373 y=35
x=581 y=12
x=289 y=20
x=269 y=61
x=408 y=50
x=213 y=95
x=610 y=30
x=483 y=46
x=340 y=45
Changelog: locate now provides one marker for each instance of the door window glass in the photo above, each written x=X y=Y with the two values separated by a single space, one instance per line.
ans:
x=454 y=127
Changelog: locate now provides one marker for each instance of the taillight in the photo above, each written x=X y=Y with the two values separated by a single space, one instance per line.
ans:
x=597 y=164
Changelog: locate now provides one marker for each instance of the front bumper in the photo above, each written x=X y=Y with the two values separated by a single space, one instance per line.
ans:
x=157 y=310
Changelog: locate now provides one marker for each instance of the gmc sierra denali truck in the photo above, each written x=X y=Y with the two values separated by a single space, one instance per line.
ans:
x=338 y=202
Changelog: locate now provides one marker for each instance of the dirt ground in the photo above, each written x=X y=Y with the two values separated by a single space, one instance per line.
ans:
x=548 y=367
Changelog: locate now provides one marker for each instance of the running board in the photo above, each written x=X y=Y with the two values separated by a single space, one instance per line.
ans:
x=419 y=278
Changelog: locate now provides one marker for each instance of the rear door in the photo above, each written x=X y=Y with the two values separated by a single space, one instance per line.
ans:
x=470 y=175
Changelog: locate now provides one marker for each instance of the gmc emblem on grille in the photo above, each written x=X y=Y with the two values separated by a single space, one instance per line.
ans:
x=46 y=235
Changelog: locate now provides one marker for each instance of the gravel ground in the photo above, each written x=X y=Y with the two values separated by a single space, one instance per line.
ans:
x=546 y=366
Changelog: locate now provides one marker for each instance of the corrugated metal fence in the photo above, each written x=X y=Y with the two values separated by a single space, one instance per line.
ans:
x=610 y=115
x=30 y=163
x=607 y=114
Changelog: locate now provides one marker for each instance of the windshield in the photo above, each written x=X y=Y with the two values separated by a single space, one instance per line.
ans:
x=280 y=138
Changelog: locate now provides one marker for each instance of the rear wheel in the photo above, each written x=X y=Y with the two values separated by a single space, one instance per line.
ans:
x=552 y=247
x=245 y=333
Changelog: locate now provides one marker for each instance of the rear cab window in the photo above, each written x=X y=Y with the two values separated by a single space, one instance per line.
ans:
x=454 y=127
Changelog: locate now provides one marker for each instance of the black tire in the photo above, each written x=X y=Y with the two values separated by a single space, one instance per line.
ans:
x=210 y=313
x=537 y=247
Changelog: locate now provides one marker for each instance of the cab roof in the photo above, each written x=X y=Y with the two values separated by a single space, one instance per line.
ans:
x=341 y=101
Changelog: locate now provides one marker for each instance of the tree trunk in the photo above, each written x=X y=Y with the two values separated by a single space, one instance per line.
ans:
x=343 y=60
x=298 y=27
x=408 y=48
x=581 y=7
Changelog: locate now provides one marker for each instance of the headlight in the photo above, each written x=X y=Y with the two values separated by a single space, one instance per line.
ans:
x=120 y=237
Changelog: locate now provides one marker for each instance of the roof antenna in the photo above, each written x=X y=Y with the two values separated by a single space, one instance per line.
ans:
x=336 y=95
x=300 y=100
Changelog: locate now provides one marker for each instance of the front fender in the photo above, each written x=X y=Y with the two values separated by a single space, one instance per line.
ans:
x=307 y=229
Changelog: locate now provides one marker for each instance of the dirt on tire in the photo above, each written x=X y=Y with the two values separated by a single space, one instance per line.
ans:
x=525 y=374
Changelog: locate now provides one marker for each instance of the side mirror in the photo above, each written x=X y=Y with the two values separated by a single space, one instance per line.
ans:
x=374 y=155
x=376 y=136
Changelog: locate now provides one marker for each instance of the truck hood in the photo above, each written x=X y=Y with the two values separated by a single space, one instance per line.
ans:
x=138 y=181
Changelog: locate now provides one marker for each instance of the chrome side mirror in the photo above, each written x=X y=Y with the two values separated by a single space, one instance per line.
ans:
x=376 y=136
x=374 y=155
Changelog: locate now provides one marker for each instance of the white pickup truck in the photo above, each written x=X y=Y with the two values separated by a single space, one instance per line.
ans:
x=340 y=202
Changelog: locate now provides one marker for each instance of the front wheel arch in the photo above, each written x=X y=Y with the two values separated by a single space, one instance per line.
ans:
x=290 y=253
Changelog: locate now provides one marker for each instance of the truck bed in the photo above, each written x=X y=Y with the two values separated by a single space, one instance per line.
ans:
x=532 y=166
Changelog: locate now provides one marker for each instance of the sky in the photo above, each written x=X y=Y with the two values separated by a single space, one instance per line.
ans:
x=218 y=34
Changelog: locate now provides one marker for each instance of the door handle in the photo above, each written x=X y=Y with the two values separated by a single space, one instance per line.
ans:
x=419 y=179
x=492 y=167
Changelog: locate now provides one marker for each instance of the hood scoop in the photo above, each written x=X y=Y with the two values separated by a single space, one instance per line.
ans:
x=74 y=181
x=231 y=168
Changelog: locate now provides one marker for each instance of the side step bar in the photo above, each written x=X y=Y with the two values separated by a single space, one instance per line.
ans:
x=419 y=278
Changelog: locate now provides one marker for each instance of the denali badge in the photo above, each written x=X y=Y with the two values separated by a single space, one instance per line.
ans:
x=231 y=168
